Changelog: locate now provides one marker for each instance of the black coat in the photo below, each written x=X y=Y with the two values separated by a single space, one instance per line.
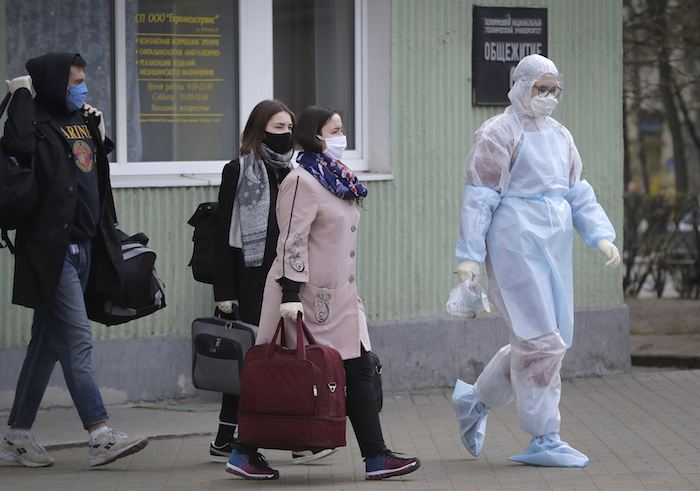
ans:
x=232 y=279
x=32 y=136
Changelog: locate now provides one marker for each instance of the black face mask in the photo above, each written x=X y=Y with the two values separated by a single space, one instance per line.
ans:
x=278 y=142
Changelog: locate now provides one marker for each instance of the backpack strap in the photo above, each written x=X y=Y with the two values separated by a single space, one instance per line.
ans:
x=4 y=103
x=8 y=243
x=140 y=237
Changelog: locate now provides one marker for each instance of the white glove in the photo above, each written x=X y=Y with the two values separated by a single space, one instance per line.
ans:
x=610 y=251
x=289 y=310
x=226 y=306
x=88 y=109
x=467 y=269
x=18 y=83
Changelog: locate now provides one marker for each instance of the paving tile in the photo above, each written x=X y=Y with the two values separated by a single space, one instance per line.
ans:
x=641 y=431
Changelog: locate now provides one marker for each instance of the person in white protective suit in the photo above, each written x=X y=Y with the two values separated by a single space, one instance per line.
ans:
x=523 y=199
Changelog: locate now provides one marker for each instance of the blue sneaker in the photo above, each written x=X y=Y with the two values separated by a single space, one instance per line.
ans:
x=249 y=464
x=388 y=464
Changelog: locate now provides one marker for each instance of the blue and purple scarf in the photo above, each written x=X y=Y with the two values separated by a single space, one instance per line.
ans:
x=333 y=175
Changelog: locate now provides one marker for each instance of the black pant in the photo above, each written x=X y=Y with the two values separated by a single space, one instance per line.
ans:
x=229 y=409
x=361 y=404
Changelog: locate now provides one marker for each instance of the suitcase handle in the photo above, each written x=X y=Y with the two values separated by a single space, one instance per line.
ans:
x=235 y=315
x=302 y=330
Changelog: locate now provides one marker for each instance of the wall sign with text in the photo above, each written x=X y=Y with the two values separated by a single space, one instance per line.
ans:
x=502 y=36
x=181 y=64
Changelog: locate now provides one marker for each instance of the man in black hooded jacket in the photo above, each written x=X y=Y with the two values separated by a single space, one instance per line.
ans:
x=64 y=140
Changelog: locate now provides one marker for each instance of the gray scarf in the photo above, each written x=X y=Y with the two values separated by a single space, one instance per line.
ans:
x=251 y=205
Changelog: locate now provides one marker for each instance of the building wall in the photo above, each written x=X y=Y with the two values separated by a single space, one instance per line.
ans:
x=410 y=224
x=409 y=228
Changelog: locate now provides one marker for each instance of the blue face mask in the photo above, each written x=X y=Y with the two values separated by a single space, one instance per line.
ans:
x=76 y=97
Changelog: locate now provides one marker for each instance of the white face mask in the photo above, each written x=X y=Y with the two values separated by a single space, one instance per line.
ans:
x=543 y=106
x=334 y=146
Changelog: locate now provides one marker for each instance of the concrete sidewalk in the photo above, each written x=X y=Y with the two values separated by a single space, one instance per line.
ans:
x=641 y=432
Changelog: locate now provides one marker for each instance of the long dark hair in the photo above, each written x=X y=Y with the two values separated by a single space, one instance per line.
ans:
x=311 y=120
x=254 y=132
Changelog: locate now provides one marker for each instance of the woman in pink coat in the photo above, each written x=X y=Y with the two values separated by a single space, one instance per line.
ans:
x=314 y=273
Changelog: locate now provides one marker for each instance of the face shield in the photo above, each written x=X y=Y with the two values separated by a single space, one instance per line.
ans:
x=524 y=77
x=558 y=112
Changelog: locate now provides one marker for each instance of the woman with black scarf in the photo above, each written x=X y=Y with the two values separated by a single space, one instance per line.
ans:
x=246 y=235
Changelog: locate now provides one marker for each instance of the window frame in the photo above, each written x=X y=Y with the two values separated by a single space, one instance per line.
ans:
x=255 y=54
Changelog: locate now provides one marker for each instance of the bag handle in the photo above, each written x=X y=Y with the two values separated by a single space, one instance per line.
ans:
x=4 y=103
x=273 y=342
x=309 y=337
x=140 y=238
x=8 y=243
x=235 y=314
x=302 y=330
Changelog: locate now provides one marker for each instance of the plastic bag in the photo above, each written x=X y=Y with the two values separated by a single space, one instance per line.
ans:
x=468 y=300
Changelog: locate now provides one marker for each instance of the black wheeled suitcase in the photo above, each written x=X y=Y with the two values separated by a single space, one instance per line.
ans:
x=218 y=352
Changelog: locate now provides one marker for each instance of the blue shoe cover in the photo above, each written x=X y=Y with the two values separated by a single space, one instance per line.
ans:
x=471 y=414
x=549 y=451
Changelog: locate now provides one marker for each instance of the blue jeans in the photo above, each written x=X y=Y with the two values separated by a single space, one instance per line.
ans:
x=61 y=332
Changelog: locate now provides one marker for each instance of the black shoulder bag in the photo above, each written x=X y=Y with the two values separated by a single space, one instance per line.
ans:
x=19 y=192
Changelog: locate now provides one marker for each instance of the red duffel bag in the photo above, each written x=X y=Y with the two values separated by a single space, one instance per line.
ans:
x=292 y=399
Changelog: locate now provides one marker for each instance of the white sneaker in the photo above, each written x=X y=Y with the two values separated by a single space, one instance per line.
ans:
x=112 y=445
x=220 y=453
x=306 y=456
x=24 y=450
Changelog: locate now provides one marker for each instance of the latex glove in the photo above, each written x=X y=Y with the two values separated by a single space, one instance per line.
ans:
x=226 y=306
x=467 y=269
x=88 y=109
x=18 y=83
x=290 y=310
x=610 y=251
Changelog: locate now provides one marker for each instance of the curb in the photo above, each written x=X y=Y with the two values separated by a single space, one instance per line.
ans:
x=84 y=443
x=666 y=361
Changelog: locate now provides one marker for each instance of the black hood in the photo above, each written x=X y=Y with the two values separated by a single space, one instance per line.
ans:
x=49 y=74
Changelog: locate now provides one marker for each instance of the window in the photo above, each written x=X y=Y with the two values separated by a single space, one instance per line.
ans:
x=181 y=61
x=35 y=27
x=314 y=57
x=177 y=79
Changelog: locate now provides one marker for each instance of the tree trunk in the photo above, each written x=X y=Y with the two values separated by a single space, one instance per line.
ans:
x=658 y=11
x=626 y=172
x=674 y=124
x=686 y=117
x=641 y=151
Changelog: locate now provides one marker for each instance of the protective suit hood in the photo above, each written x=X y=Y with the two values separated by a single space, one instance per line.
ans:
x=529 y=70
x=50 y=74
